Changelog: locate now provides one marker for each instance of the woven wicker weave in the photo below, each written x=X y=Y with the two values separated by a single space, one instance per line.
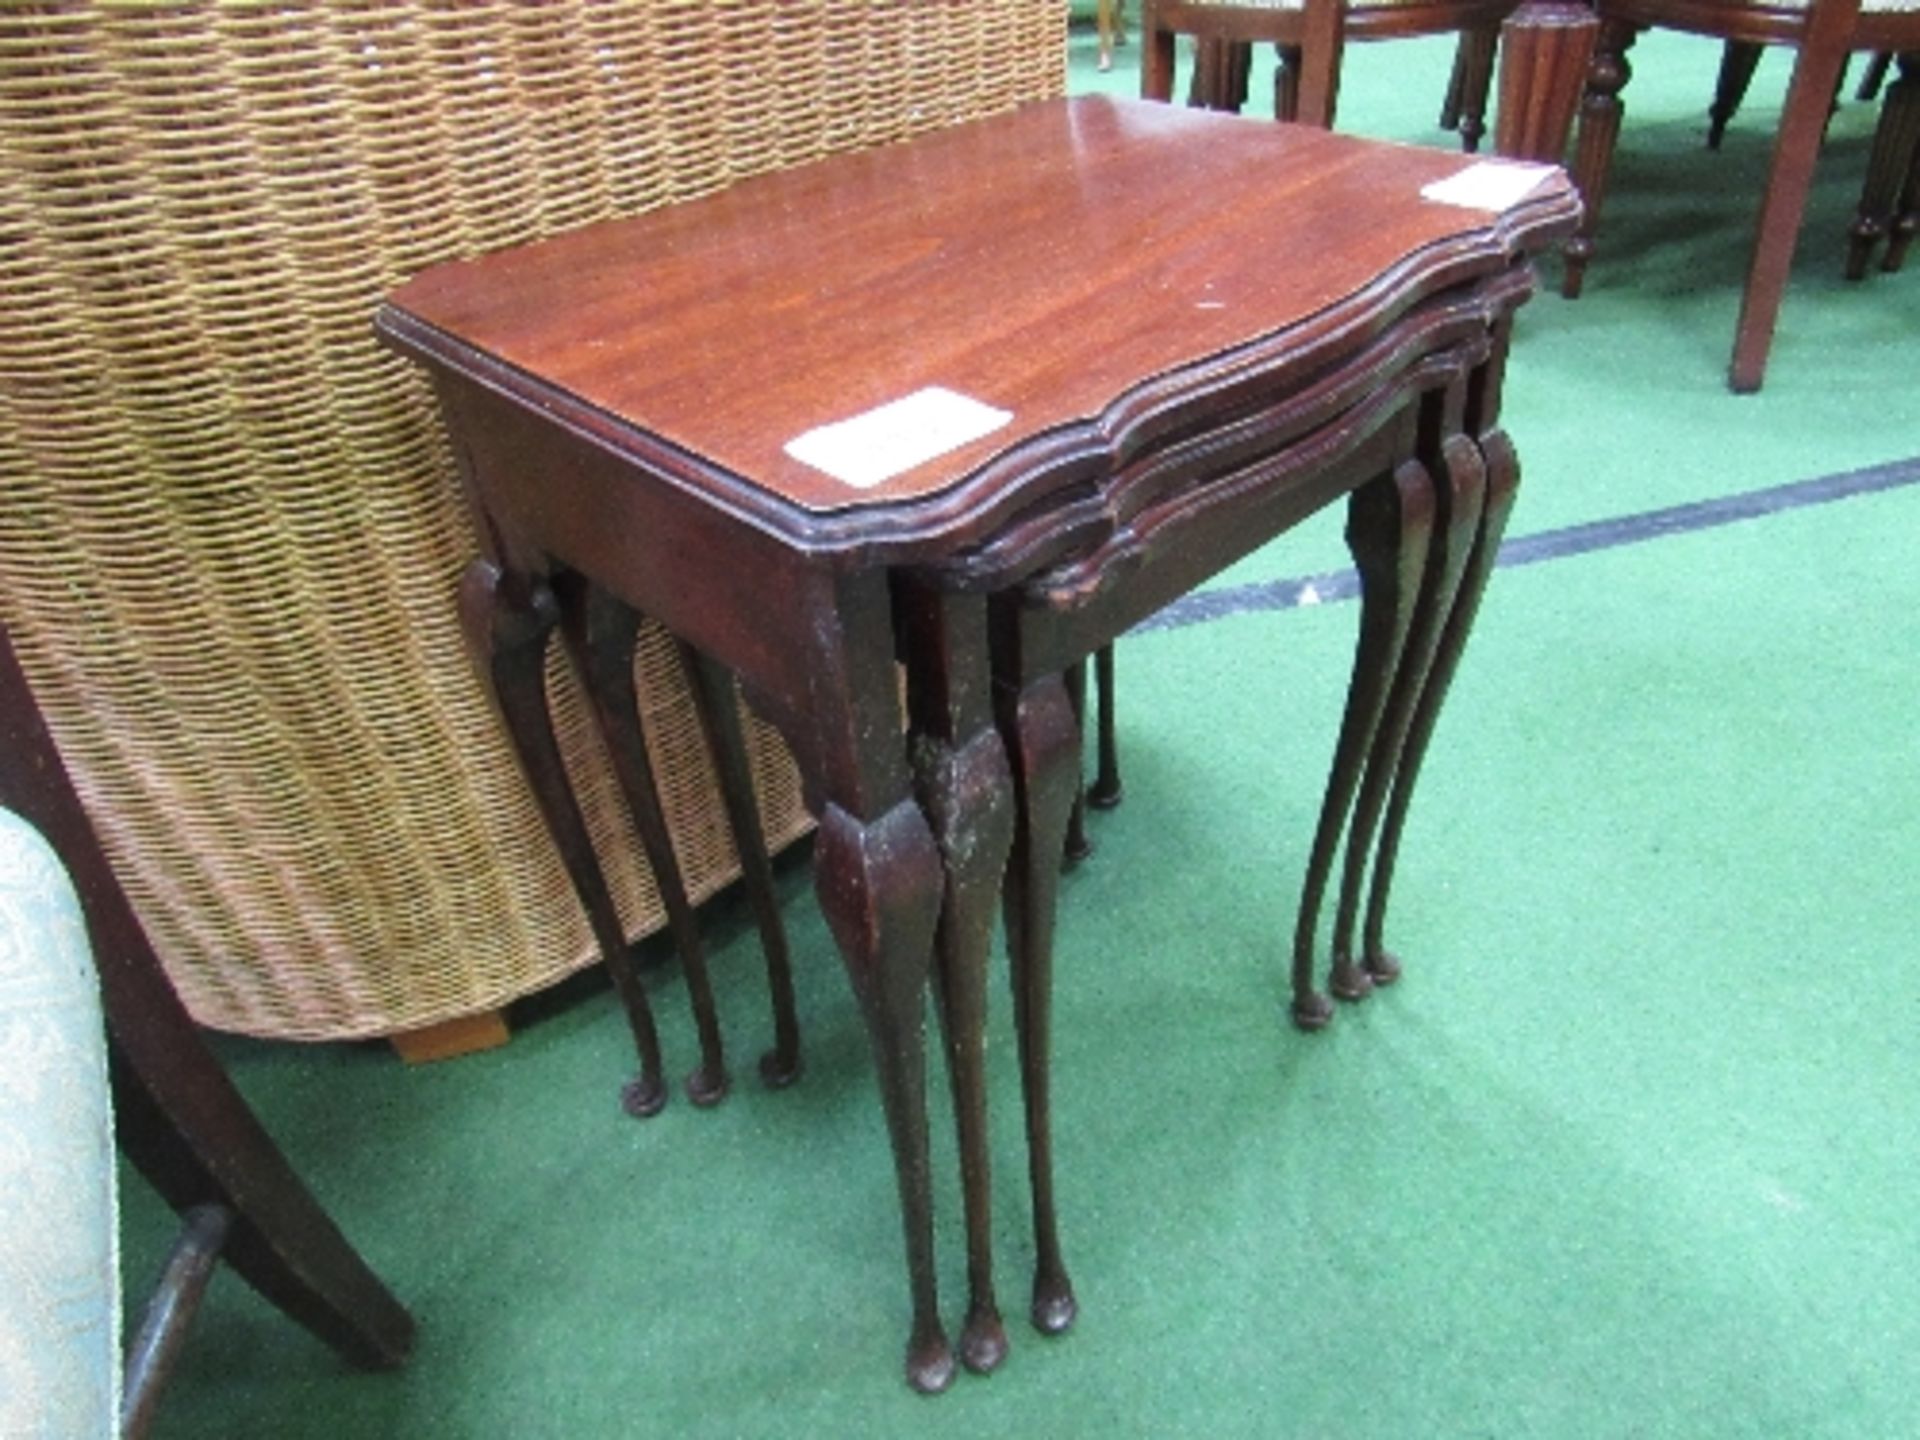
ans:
x=229 y=536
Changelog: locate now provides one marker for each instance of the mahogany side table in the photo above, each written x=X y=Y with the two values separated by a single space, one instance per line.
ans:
x=975 y=402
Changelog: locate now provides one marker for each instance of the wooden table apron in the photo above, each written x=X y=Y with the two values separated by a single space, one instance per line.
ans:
x=987 y=589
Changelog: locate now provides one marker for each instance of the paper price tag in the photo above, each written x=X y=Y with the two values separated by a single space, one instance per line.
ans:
x=1492 y=185
x=872 y=447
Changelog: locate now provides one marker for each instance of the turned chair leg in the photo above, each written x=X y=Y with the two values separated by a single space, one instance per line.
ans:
x=1478 y=52
x=1896 y=142
x=1600 y=111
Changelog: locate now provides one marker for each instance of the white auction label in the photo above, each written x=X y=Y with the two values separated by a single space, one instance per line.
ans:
x=872 y=447
x=1494 y=185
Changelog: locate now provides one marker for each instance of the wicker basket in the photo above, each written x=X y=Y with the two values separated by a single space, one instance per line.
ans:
x=229 y=535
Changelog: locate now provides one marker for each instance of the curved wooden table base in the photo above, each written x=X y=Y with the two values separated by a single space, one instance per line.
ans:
x=646 y=402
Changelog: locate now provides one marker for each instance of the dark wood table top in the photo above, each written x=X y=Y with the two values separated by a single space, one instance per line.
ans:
x=1045 y=264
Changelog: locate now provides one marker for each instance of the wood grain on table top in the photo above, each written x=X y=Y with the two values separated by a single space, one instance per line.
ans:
x=1042 y=262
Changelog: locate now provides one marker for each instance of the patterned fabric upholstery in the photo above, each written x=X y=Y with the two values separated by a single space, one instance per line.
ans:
x=59 y=1261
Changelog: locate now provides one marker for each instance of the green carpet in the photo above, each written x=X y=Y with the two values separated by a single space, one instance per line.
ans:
x=1627 y=1153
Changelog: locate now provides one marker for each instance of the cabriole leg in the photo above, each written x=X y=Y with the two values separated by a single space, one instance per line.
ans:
x=1043 y=744
x=1388 y=528
x=963 y=784
x=714 y=702
x=507 y=626
x=1502 y=468
x=602 y=631
x=1459 y=499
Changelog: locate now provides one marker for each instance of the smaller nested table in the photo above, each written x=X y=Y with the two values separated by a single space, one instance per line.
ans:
x=976 y=403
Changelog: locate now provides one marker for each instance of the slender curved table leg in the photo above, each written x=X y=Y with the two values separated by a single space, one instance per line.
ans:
x=601 y=632
x=1043 y=744
x=507 y=625
x=1502 y=481
x=878 y=874
x=1077 y=845
x=879 y=883
x=1107 y=789
x=964 y=785
x=1388 y=521
x=714 y=702
x=1459 y=497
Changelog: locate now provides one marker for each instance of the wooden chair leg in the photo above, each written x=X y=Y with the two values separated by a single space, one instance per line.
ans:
x=169 y=1314
x=177 y=1116
x=1809 y=101
x=1906 y=217
x=1286 y=82
x=1874 y=76
x=1456 y=78
x=1156 y=56
x=1545 y=48
x=1896 y=140
x=1600 y=111
x=1220 y=70
x=1479 y=48
x=1322 y=39
x=1738 y=60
